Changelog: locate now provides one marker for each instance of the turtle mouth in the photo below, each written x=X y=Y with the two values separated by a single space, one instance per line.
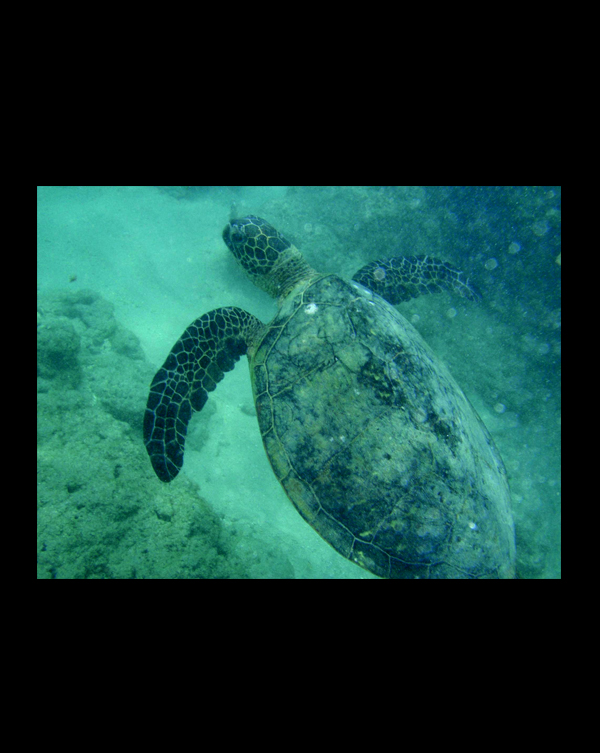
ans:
x=234 y=234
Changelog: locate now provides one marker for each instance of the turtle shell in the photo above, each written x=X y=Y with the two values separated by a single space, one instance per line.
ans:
x=375 y=443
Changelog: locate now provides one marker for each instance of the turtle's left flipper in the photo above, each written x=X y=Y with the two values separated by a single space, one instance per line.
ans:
x=208 y=348
x=404 y=277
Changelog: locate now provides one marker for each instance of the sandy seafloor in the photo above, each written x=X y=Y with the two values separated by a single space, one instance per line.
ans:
x=123 y=270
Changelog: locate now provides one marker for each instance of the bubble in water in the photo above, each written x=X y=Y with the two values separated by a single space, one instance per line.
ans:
x=379 y=273
x=499 y=407
x=514 y=248
x=540 y=228
x=451 y=313
x=491 y=264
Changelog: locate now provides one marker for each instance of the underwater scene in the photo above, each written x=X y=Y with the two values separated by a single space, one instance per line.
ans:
x=359 y=400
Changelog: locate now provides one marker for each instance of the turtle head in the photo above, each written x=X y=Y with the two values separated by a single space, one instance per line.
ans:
x=270 y=260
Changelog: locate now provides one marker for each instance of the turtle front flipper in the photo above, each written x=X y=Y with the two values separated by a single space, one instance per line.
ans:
x=208 y=348
x=404 y=277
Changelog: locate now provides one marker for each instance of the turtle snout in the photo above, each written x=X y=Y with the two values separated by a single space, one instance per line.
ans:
x=234 y=233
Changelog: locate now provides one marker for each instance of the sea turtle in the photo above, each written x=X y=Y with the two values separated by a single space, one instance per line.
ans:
x=366 y=430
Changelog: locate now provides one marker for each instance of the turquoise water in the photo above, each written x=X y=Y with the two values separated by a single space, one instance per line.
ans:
x=122 y=271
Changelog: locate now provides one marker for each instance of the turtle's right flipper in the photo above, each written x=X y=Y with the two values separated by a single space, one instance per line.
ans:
x=404 y=277
x=208 y=348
